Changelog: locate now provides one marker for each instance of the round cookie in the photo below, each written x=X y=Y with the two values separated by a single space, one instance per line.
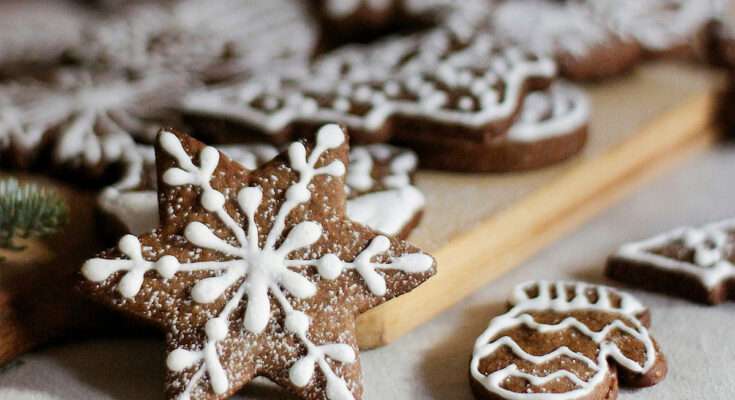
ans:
x=566 y=341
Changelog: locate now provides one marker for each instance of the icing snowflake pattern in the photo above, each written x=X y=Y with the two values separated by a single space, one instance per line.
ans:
x=550 y=297
x=93 y=118
x=255 y=271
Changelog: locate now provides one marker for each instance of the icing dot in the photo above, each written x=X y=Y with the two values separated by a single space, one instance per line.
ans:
x=216 y=329
x=392 y=88
x=330 y=136
x=466 y=103
x=302 y=371
x=129 y=244
x=213 y=200
x=341 y=104
x=180 y=359
x=167 y=266
x=298 y=194
x=329 y=266
x=297 y=322
x=309 y=106
x=363 y=93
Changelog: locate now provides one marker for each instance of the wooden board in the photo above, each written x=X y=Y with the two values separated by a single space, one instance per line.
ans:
x=477 y=226
x=480 y=226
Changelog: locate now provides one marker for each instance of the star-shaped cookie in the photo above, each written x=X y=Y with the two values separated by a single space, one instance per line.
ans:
x=256 y=273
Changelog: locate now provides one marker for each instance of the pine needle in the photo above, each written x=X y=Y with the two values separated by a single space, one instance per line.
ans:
x=27 y=210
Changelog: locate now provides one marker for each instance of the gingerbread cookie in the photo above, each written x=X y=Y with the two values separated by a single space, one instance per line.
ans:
x=379 y=175
x=37 y=32
x=694 y=263
x=551 y=128
x=345 y=21
x=425 y=85
x=581 y=42
x=214 y=42
x=256 y=273
x=85 y=120
x=566 y=340
x=662 y=27
x=434 y=87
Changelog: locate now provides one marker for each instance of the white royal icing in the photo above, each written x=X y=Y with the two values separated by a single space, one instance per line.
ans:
x=577 y=28
x=262 y=269
x=413 y=77
x=561 y=110
x=93 y=118
x=518 y=315
x=387 y=210
x=39 y=31
x=659 y=24
x=185 y=35
x=551 y=27
x=712 y=245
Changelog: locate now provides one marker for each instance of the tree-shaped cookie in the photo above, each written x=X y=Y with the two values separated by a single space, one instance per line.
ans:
x=256 y=273
x=697 y=263
x=564 y=341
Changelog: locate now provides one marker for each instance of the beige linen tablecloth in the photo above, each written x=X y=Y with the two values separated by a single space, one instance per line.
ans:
x=431 y=362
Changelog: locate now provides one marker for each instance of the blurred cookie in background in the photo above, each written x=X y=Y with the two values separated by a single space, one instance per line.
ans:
x=37 y=32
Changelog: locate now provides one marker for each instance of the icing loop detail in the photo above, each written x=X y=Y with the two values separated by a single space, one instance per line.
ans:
x=564 y=298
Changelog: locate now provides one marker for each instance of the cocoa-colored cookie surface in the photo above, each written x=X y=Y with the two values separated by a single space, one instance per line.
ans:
x=552 y=126
x=214 y=42
x=380 y=188
x=255 y=273
x=697 y=263
x=566 y=340
x=79 y=119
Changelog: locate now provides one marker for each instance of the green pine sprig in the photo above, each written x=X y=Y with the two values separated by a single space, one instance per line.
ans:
x=27 y=210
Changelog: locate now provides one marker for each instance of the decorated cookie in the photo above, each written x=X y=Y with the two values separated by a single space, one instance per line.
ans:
x=695 y=263
x=256 y=273
x=88 y=120
x=662 y=27
x=379 y=175
x=38 y=32
x=552 y=127
x=582 y=43
x=432 y=87
x=225 y=38
x=427 y=85
x=566 y=340
x=346 y=21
